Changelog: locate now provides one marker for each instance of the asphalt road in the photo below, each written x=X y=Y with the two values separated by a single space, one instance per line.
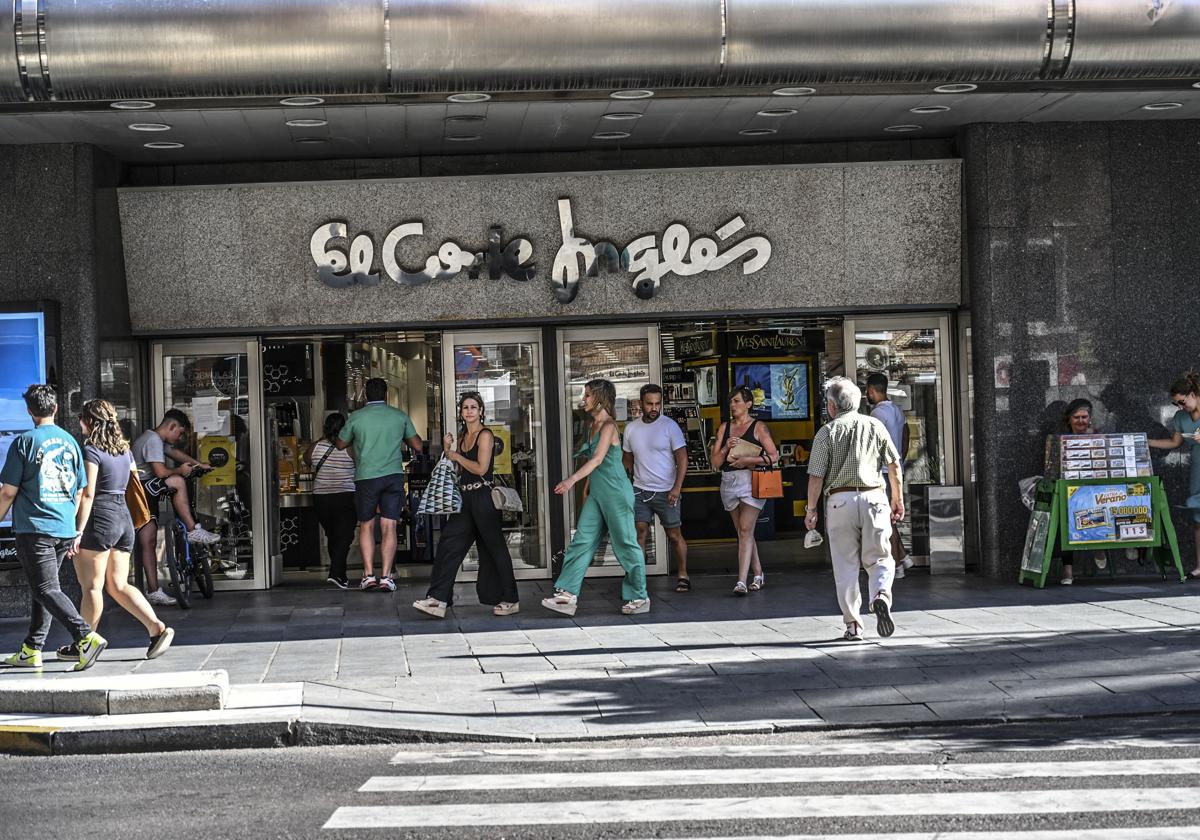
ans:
x=1127 y=779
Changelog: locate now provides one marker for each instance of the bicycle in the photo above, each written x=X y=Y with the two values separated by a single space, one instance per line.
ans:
x=185 y=567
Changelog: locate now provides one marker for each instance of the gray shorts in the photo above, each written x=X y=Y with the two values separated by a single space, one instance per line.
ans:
x=649 y=503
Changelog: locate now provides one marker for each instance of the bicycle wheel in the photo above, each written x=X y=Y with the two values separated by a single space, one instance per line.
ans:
x=202 y=569
x=172 y=559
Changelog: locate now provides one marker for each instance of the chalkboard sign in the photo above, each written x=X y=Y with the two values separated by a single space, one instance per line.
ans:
x=287 y=369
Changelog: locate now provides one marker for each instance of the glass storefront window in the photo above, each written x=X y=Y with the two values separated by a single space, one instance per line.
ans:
x=214 y=391
x=508 y=377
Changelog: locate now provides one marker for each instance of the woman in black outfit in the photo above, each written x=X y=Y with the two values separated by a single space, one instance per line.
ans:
x=479 y=523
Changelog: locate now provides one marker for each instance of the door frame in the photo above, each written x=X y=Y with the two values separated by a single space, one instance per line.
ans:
x=650 y=332
x=255 y=423
x=515 y=335
x=947 y=351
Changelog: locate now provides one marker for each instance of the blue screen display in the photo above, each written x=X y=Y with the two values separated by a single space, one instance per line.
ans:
x=22 y=363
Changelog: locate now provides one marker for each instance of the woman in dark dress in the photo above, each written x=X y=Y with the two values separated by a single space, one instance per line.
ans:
x=478 y=523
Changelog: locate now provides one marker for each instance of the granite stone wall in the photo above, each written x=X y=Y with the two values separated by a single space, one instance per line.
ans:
x=843 y=237
x=49 y=250
x=1082 y=259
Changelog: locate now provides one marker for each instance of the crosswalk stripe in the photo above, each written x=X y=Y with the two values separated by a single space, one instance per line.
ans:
x=1173 y=832
x=786 y=775
x=609 y=812
x=551 y=755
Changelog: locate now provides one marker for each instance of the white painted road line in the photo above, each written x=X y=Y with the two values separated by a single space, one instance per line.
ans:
x=1173 y=832
x=739 y=809
x=786 y=775
x=919 y=746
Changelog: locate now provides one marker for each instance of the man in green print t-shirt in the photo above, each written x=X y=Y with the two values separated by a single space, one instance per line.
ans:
x=43 y=477
x=377 y=432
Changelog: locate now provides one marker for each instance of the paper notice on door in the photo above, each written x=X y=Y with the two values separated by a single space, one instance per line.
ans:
x=621 y=407
x=205 y=414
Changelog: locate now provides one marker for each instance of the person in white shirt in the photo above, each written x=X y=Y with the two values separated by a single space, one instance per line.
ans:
x=892 y=417
x=656 y=453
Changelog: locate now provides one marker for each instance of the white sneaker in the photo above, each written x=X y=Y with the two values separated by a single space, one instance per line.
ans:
x=160 y=599
x=561 y=602
x=853 y=633
x=899 y=571
x=636 y=607
x=1067 y=581
x=200 y=535
x=386 y=584
x=431 y=606
x=906 y=562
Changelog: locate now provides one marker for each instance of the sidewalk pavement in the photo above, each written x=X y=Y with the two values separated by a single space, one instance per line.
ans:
x=323 y=666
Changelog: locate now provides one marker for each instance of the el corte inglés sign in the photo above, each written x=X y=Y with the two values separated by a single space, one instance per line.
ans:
x=343 y=260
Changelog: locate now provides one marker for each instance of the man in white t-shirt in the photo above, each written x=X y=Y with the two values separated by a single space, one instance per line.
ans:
x=892 y=417
x=656 y=452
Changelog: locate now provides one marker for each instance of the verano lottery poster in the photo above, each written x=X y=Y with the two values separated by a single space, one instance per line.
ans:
x=1106 y=513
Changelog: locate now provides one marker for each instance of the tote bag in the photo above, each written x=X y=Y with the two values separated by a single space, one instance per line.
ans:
x=766 y=483
x=135 y=500
x=442 y=496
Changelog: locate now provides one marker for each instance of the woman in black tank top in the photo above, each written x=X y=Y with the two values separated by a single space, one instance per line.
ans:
x=478 y=523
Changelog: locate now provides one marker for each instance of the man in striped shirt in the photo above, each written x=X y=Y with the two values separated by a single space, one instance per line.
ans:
x=845 y=464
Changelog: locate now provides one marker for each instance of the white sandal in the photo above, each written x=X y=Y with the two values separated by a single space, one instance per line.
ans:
x=431 y=606
x=561 y=602
x=506 y=608
x=636 y=607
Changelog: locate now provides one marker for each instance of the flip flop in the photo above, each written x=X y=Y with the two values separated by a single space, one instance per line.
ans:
x=683 y=585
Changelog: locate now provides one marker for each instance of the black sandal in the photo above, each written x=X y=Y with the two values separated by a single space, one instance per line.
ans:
x=683 y=585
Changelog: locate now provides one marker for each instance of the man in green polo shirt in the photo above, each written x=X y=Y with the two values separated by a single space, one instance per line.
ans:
x=846 y=462
x=377 y=432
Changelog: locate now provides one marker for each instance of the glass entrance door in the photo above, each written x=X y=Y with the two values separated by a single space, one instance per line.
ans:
x=505 y=367
x=217 y=385
x=629 y=357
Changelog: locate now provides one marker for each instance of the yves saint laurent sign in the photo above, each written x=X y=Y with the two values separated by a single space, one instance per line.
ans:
x=343 y=261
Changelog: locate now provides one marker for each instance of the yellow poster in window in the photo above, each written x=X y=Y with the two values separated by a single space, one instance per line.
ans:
x=218 y=451
x=502 y=451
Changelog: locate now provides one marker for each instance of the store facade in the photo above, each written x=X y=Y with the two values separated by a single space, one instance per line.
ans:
x=265 y=306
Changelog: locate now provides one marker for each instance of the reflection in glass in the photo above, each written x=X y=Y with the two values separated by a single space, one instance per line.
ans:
x=508 y=377
x=626 y=364
x=213 y=390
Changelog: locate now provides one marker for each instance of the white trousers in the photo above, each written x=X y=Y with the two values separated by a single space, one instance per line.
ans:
x=860 y=531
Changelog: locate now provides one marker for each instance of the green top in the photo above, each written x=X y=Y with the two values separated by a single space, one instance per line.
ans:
x=850 y=451
x=376 y=431
x=609 y=476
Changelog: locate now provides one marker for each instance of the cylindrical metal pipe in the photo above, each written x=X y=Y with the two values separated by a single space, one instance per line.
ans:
x=11 y=89
x=1119 y=39
x=538 y=45
x=122 y=49
x=817 y=41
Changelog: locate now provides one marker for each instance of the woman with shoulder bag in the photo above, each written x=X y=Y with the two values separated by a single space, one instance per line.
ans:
x=742 y=444
x=333 y=493
x=478 y=523
x=105 y=525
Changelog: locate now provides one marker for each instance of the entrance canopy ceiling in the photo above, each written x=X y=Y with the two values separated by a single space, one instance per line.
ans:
x=202 y=80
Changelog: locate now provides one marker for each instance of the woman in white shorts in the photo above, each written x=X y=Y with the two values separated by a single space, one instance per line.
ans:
x=736 y=493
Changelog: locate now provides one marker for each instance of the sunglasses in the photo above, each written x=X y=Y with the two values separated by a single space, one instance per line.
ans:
x=1179 y=403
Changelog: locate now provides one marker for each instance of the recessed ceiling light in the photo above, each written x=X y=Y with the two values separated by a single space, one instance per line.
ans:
x=302 y=101
x=929 y=109
x=1162 y=106
x=902 y=128
x=963 y=87
x=466 y=118
x=463 y=138
x=623 y=115
x=610 y=135
x=149 y=127
x=793 y=91
x=631 y=94
x=312 y=140
x=467 y=98
x=777 y=112
x=131 y=105
x=306 y=123
x=757 y=132
x=163 y=144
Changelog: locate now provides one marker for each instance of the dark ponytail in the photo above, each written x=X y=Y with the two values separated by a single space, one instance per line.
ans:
x=468 y=395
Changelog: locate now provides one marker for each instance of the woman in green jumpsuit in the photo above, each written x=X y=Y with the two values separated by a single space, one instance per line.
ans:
x=609 y=505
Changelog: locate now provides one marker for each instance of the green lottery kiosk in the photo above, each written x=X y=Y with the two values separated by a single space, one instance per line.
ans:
x=1098 y=494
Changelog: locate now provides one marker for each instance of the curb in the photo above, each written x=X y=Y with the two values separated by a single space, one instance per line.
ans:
x=203 y=691
x=299 y=732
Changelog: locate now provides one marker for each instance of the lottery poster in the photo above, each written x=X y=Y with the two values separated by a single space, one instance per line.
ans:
x=1109 y=513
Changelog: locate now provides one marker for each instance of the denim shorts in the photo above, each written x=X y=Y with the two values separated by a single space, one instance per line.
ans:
x=109 y=525
x=385 y=494
x=649 y=503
